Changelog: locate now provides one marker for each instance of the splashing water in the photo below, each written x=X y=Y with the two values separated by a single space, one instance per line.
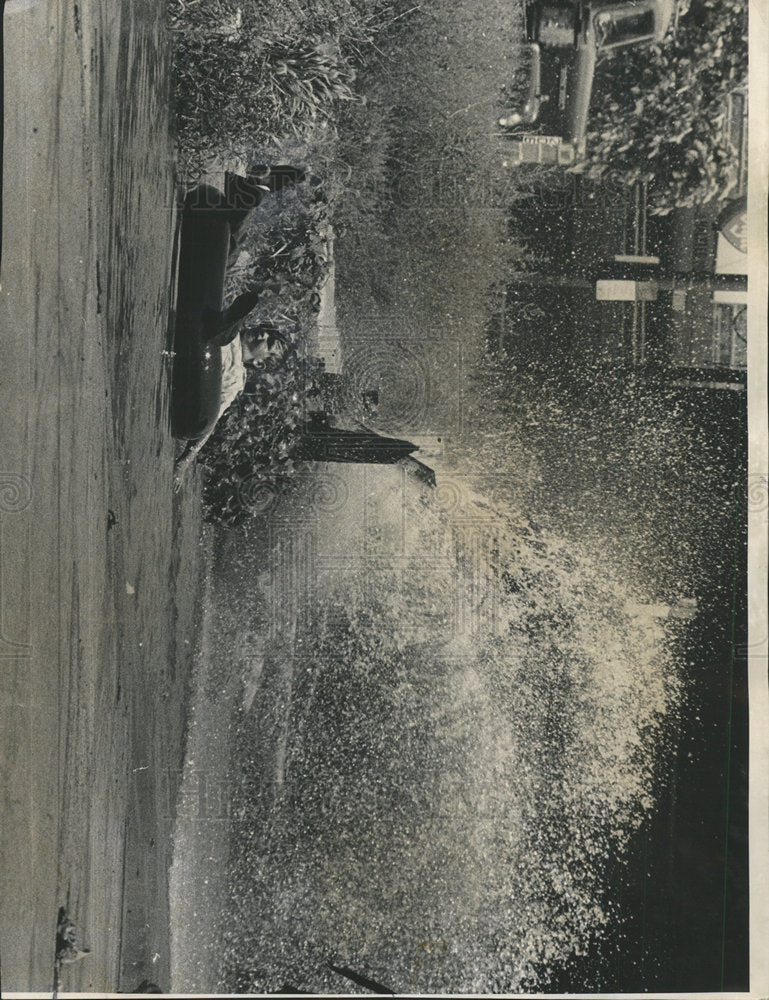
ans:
x=447 y=728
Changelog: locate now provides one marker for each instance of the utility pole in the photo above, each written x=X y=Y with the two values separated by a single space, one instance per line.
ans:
x=701 y=378
x=690 y=280
x=543 y=280
x=665 y=282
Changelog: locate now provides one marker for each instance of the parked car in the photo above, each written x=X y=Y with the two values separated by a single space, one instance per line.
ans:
x=564 y=41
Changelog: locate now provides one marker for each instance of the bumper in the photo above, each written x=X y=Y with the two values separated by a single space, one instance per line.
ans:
x=529 y=113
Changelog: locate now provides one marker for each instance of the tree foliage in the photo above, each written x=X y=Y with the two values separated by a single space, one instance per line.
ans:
x=663 y=120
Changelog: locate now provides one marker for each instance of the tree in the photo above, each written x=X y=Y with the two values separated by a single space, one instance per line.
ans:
x=663 y=117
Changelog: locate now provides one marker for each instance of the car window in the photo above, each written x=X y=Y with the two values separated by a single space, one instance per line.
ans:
x=613 y=28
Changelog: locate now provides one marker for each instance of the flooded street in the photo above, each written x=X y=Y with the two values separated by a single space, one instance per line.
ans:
x=93 y=701
x=452 y=738
x=458 y=740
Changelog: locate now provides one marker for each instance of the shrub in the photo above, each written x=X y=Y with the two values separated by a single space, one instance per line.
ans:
x=665 y=122
x=249 y=455
x=285 y=254
x=233 y=93
x=249 y=72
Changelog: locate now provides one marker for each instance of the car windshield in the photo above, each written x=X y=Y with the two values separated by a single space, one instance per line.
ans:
x=613 y=28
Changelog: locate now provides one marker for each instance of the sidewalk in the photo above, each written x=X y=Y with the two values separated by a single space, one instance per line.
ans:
x=92 y=621
x=56 y=605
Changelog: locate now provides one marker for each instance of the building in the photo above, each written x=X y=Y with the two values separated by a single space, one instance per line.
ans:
x=707 y=327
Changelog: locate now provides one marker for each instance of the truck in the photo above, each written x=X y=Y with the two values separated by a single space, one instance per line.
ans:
x=564 y=41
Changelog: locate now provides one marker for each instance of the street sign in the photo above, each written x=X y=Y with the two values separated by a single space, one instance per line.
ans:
x=621 y=290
